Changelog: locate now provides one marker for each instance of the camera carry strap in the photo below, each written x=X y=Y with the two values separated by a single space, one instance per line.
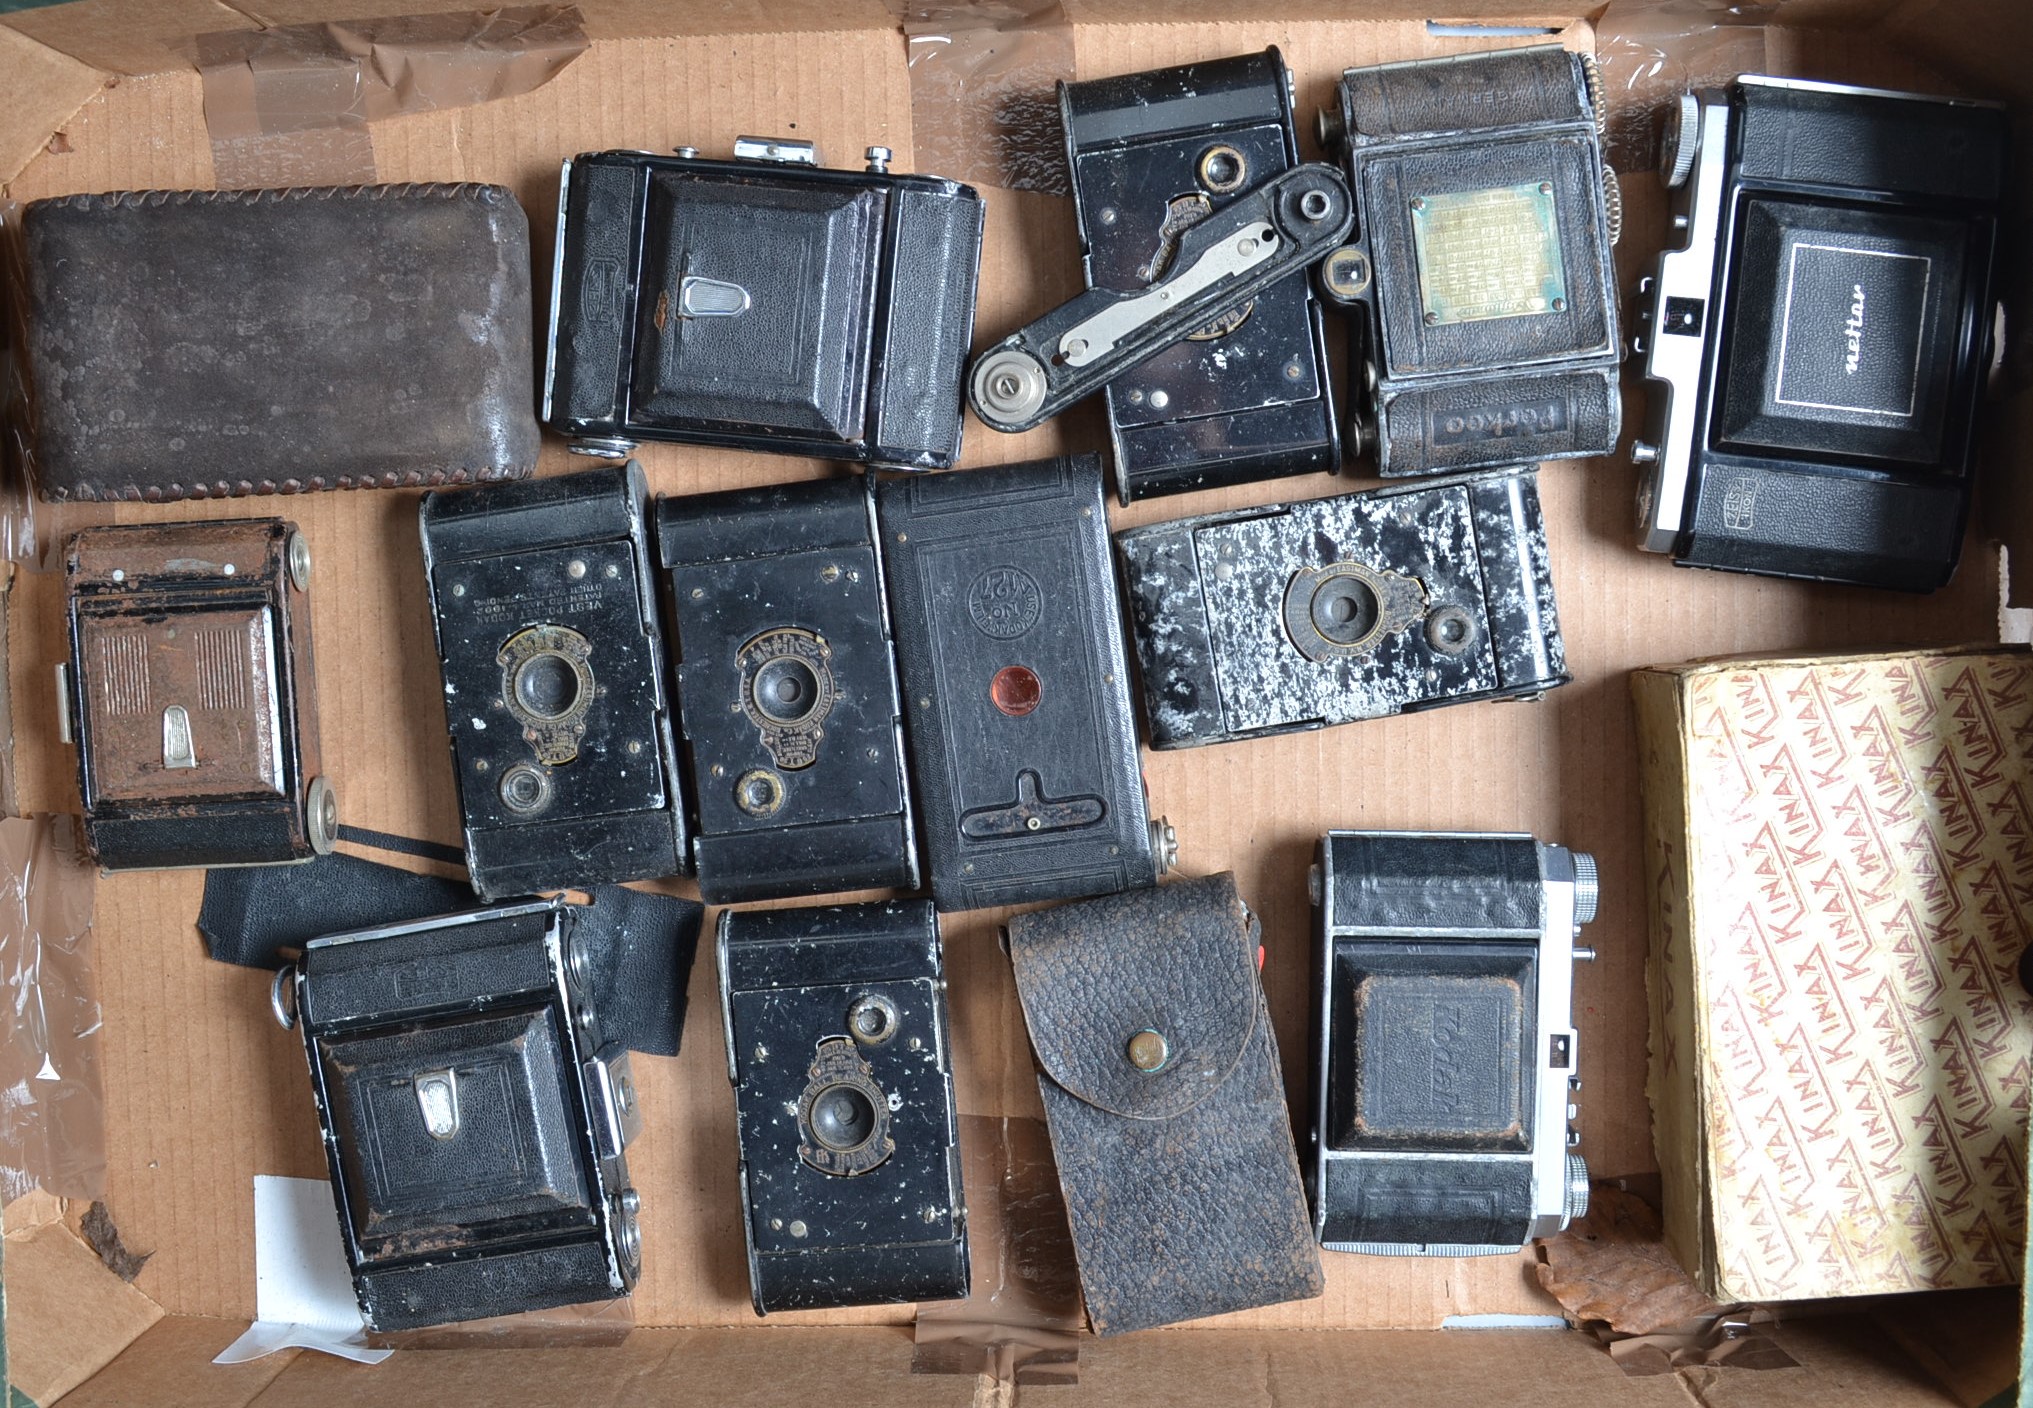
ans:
x=640 y=944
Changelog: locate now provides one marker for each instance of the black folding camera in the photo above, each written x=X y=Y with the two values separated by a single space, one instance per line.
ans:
x=473 y=1118
x=1016 y=691
x=1444 y=1047
x=191 y=697
x=546 y=619
x=764 y=303
x=1245 y=397
x=1817 y=341
x=1292 y=616
x=837 y=1047
x=787 y=696
x=1480 y=275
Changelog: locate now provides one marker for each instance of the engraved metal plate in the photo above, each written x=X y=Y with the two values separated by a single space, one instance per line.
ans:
x=1491 y=253
x=787 y=689
x=843 y=1115
x=548 y=685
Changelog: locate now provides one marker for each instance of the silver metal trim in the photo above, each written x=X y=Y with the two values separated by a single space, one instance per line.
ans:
x=178 y=750
x=1786 y=329
x=557 y=282
x=1673 y=362
x=437 y=1100
x=285 y=1012
x=63 y=704
x=1096 y=337
x=1323 y=1018
x=448 y=921
x=1419 y=1248
x=1812 y=85
x=788 y=150
x=611 y=1077
x=726 y=999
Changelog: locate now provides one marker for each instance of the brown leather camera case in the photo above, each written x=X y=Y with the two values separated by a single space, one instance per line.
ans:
x=1161 y=1088
x=199 y=344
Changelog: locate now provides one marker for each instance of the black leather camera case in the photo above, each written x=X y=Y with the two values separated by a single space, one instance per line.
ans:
x=195 y=344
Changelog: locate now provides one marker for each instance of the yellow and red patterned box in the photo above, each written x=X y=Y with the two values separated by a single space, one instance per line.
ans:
x=1839 y=859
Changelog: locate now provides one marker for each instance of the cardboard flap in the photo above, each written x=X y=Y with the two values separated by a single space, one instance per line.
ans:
x=45 y=88
x=1178 y=962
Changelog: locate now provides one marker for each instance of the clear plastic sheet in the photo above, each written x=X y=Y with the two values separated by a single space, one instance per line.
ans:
x=52 y=1109
x=984 y=92
x=1651 y=51
x=1023 y=1321
x=290 y=104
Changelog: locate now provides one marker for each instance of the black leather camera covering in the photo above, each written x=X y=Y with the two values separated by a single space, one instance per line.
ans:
x=1181 y=1183
x=830 y=315
x=544 y=572
x=835 y=1003
x=194 y=344
x=1015 y=683
x=786 y=691
x=634 y=947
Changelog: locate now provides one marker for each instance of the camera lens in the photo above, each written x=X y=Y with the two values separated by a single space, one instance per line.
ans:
x=843 y=1118
x=547 y=685
x=524 y=789
x=786 y=690
x=1344 y=609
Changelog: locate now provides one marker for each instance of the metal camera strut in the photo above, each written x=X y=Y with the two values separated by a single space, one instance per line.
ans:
x=1284 y=225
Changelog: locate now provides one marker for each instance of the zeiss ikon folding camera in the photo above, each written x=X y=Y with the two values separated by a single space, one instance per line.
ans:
x=546 y=617
x=1444 y=1045
x=1480 y=275
x=837 y=1047
x=190 y=697
x=1293 y=616
x=1817 y=341
x=1016 y=691
x=765 y=303
x=786 y=689
x=474 y=1120
x=1245 y=396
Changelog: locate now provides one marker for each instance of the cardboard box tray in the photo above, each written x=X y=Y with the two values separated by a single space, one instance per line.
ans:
x=203 y=1091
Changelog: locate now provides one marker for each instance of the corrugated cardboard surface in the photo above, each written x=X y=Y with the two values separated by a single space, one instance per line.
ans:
x=1838 y=849
x=1838 y=1366
x=203 y=1090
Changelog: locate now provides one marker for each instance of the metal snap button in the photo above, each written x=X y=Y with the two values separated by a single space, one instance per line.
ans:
x=1148 y=1052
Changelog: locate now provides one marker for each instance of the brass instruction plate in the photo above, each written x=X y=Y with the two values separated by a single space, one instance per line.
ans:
x=1491 y=253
